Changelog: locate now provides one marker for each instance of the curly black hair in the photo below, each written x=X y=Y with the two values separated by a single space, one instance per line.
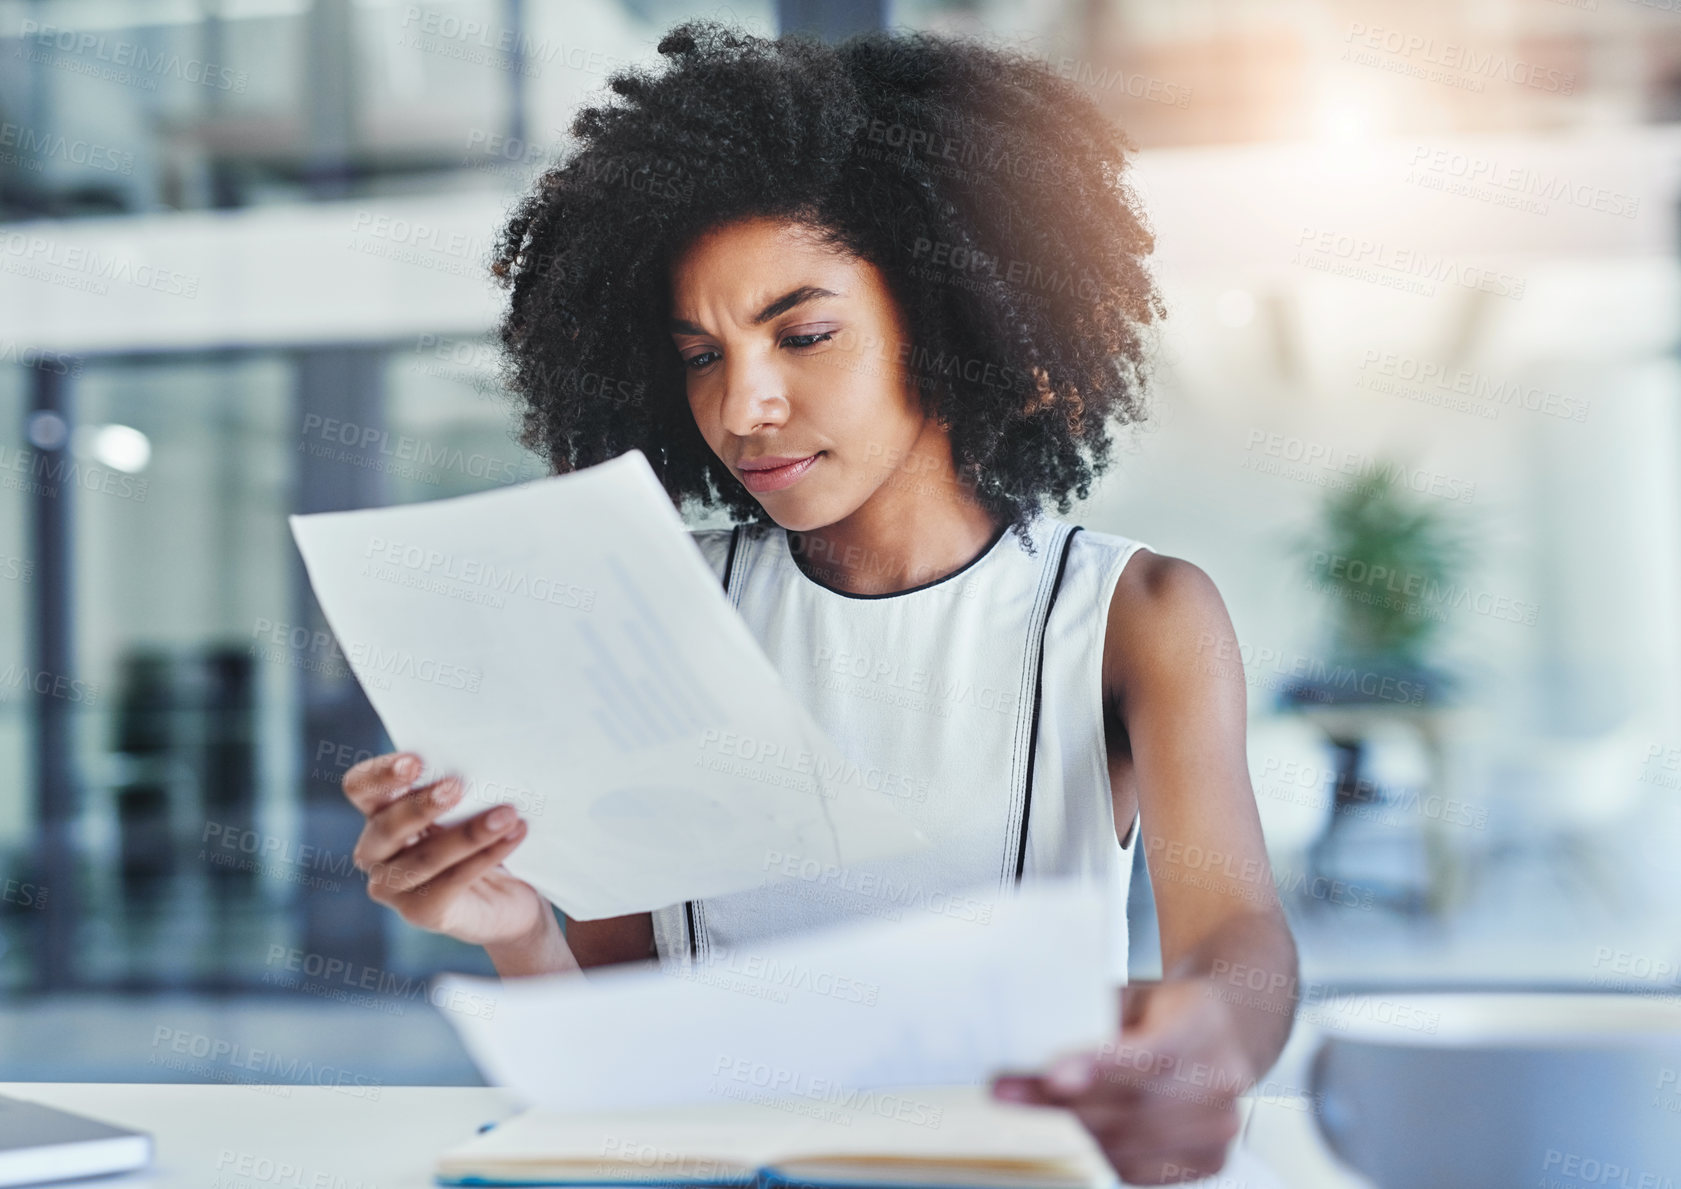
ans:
x=989 y=191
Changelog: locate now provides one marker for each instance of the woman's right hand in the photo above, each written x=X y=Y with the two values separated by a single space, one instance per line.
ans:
x=448 y=879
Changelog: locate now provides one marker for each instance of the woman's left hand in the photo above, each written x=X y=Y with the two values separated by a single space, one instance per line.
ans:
x=1161 y=1097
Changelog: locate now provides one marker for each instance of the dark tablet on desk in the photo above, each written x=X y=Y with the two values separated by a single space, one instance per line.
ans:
x=40 y=1144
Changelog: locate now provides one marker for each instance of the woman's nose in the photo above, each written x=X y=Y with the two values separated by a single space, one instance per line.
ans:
x=754 y=396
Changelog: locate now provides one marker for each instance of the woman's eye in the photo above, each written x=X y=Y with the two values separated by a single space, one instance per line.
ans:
x=704 y=359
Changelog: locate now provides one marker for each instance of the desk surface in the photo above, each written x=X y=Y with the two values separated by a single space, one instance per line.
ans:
x=387 y=1137
x=282 y=1137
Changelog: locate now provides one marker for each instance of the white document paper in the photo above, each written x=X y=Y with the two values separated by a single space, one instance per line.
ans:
x=562 y=645
x=823 y=1017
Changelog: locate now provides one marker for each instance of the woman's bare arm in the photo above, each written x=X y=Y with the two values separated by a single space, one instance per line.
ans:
x=1173 y=671
x=1161 y=1097
x=612 y=940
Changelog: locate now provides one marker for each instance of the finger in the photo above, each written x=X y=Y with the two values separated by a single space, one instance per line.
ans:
x=376 y=781
x=1072 y=1075
x=400 y=824
x=443 y=849
x=1021 y=1088
x=426 y=904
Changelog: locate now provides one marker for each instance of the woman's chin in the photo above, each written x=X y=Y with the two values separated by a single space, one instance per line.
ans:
x=795 y=515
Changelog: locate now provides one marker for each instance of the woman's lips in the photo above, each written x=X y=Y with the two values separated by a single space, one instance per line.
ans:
x=776 y=478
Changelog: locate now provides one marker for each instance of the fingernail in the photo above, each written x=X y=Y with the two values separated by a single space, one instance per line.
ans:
x=1070 y=1075
x=501 y=817
x=1012 y=1091
x=407 y=767
x=444 y=793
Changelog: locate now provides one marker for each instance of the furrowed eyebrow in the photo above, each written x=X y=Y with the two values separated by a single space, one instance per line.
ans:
x=788 y=301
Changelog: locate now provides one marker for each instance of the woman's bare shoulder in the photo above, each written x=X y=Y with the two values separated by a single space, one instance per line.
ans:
x=1167 y=625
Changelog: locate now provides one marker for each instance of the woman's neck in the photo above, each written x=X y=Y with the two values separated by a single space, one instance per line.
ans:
x=892 y=545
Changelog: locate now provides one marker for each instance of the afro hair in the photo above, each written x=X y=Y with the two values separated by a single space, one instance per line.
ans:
x=990 y=192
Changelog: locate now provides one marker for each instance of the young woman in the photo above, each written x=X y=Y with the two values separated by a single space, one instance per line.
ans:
x=883 y=302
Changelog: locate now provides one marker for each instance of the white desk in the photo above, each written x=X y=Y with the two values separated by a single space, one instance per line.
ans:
x=281 y=1137
x=319 y=1137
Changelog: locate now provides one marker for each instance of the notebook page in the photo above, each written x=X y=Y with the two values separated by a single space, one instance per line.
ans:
x=563 y=645
x=713 y=1142
x=952 y=1128
x=960 y=1125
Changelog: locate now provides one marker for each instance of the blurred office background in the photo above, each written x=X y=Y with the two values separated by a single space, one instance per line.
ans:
x=1417 y=413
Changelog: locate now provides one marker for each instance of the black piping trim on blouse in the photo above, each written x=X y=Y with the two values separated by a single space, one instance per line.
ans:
x=1038 y=695
x=997 y=536
x=689 y=905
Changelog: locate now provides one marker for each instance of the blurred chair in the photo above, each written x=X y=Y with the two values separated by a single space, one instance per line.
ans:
x=1380 y=833
x=1575 y=806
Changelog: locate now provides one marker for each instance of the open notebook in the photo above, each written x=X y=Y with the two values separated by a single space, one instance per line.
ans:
x=953 y=1137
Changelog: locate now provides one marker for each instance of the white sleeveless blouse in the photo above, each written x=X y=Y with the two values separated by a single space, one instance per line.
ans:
x=974 y=701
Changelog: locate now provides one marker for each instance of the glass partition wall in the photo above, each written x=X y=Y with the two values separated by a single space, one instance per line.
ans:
x=193 y=743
